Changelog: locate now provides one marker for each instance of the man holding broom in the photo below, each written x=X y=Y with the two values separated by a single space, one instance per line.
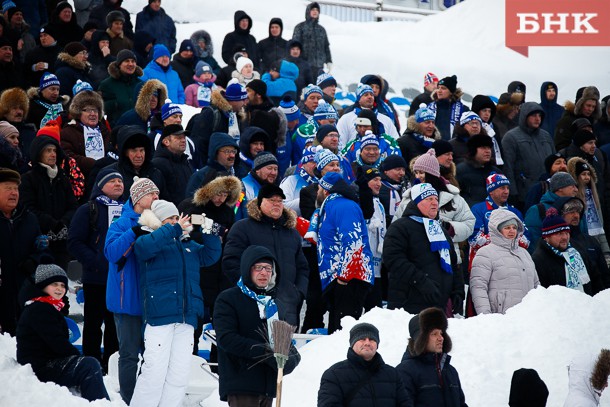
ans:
x=243 y=319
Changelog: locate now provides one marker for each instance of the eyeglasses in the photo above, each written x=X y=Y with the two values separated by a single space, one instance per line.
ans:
x=84 y=53
x=91 y=110
x=228 y=151
x=275 y=201
x=259 y=267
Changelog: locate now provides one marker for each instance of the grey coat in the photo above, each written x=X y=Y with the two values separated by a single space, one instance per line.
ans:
x=502 y=272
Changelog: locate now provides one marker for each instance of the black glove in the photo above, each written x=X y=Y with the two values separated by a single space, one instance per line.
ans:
x=429 y=291
x=138 y=231
x=458 y=304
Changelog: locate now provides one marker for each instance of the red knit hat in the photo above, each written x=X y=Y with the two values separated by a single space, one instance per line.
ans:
x=51 y=129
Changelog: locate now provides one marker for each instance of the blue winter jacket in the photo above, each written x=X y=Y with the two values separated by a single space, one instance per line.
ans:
x=289 y=72
x=169 y=277
x=122 y=291
x=175 y=91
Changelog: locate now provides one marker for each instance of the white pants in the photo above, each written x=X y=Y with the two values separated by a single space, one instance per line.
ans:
x=165 y=371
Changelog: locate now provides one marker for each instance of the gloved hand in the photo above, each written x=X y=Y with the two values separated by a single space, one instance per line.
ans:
x=207 y=227
x=429 y=290
x=458 y=304
x=138 y=231
x=479 y=240
x=524 y=242
x=449 y=228
x=41 y=242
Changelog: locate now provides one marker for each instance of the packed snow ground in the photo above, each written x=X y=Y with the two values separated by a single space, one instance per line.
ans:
x=543 y=332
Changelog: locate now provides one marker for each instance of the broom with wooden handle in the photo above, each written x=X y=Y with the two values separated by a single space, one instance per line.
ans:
x=282 y=338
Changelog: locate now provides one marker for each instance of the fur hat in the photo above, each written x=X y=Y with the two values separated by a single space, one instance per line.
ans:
x=363 y=330
x=140 y=188
x=428 y=163
x=527 y=389
x=149 y=88
x=14 y=98
x=114 y=15
x=476 y=141
x=172 y=130
x=86 y=98
x=588 y=93
x=49 y=273
x=230 y=184
x=164 y=209
x=450 y=82
x=420 y=327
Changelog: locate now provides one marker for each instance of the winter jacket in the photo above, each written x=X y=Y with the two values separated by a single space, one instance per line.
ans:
x=390 y=196
x=42 y=335
x=68 y=70
x=99 y=63
x=292 y=185
x=412 y=143
x=552 y=110
x=176 y=171
x=160 y=26
x=305 y=75
x=141 y=114
x=34 y=12
x=242 y=37
x=175 y=91
x=73 y=143
x=39 y=54
x=169 y=272
x=39 y=106
x=502 y=272
x=380 y=384
x=285 y=84
x=282 y=239
x=185 y=68
x=472 y=176
x=347 y=129
x=430 y=380
x=564 y=132
x=245 y=365
x=246 y=161
x=448 y=112
x=586 y=379
x=524 y=150
x=407 y=254
x=316 y=48
x=99 y=13
x=271 y=49
x=207 y=54
x=119 y=91
x=66 y=32
x=123 y=287
x=482 y=211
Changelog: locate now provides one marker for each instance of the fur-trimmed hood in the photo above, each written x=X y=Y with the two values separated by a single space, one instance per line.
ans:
x=13 y=98
x=413 y=126
x=34 y=93
x=209 y=48
x=146 y=91
x=572 y=168
x=587 y=378
x=230 y=184
x=255 y=213
x=420 y=327
x=73 y=62
x=86 y=98
x=589 y=93
x=115 y=72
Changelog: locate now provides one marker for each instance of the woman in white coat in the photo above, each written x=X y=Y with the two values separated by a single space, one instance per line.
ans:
x=502 y=272
x=588 y=378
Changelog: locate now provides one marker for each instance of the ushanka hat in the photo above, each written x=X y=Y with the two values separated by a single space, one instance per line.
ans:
x=419 y=192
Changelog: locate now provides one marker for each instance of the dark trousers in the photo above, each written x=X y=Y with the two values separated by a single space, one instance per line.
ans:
x=96 y=314
x=246 y=400
x=83 y=372
x=316 y=308
x=374 y=297
x=131 y=343
x=345 y=300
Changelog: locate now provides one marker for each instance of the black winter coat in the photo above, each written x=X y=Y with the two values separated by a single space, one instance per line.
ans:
x=39 y=54
x=245 y=366
x=176 y=171
x=306 y=76
x=383 y=389
x=424 y=386
x=272 y=49
x=242 y=37
x=411 y=264
x=185 y=68
x=471 y=177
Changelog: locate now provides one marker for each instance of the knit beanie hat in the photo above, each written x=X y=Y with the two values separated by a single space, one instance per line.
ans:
x=241 y=62
x=393 y=161
x=325 y=80
x=263 y=159
x=508 y=222
x=106 y=174
x=8 y=175
x=140 y=188
x=369 y=139
x=423 y=114
x=324 y=130
x=325 y=111
x=527 y=389
x=495 y=181
x=186 y=45
x=442 y=147
x=450 y=82
x=550 y=160
x=169 y=109
x=363 y=89
x=324 y=157
x=269 y=191
x=80 y=86
x=289 y=108
x=235 y=91
x=553 y=223
x=476 y=141
x=6 y=129
x=369 y=172
x=363 y=330
x=114 y=15
x=430 y=78
x=48 y=79
x=309 y=89
x=202 y=67
x=51 y=30
x=164 y=209
x=580 y=123
x=7 y=5
x=309 y=154
x=516 y=87
x=124 y=55
x=160 y=50
x=258 y=86
x=329 y=180
x=428 y=163
x=419 y=192
x=469 y=116
x=49 y=273
x=579 y=168
x=583 y=136
x=73 y=48
x=561 y=180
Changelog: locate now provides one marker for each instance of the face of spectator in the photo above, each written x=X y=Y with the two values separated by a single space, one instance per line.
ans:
x=247 y=70
x=327 y=121
x=431 y=87
x=443 y=92
x=559 y=165
x=550 y=94
x=272 y=207
x=56 y=290
x=500 y=195
x=485 y=114
x=312 y=101
x=559 y=240
x=243 y=23
x=309 y=167
x=419 y=175
x=66 y=15
x=268 y=173
x=46 y=40
x=376 y=89
x=585 y=177
x=395 y=174
x=256 y=147
x=103 y=43
x=117 y=27
x=89 y=116
x=6 y=53
x=483 y=155
x=375 y=185
x=82 y=56
x=314 y=13
x=172 y=220
x=534 y=120
x=146 y=201
x=220 y=198
x=9 y=196
x=205 y=77
x=114 y=188
x=435 y=341
x=295 y=52
x=473 y=127
x=155 y=5
x=509 y=231
x=17 y=19
x=429 y=207
x=361 y=129
x=154 y=100
x=445 y=159
x=175 y=143
x=260 y=274
x=253 y=97
x=13 y=139
x=365 y=348
x=136 y=156
x=186 y=54
x=48 y=156
x=87 y=35
x=201 y=43
x=589 y=147
x=237 y=105
x=15 y=115
x=370 y=154
x=173 y=119
x=588 y=107
x=331 y=141
x=572 y=218
x=275 y=30
x=330 y=90
x=163 y=60
x=332 y=166
x=226 y=156
x=427 y=128
x=367 y=100
x=568 y=191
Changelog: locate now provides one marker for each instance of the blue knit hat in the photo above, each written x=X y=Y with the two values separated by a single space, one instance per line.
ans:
x=309 y=154
x=324 y=157
x=325 y=79
x=369 y=139
x=235 y=91
x=362 y=89
x=469 y=116
x=419 y=192
x=424 y=114
x=169 y=109
x=325 y=111
x=81 y=86
x=160 y=50
x=495 y=181
x=289 y=108
x=329 y=180
x=202 y=67
x=309 y=89
x=48 y=79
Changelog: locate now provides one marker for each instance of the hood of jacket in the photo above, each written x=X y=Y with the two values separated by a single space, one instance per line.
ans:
x=345 y=190
x=115 y=72
x=248 y=258
x=129 y=137
x=254 y=211
x=527 y=109
x=149 y=219
x=572 y=168
x=145 y=94
x=38 y=145
x=308 y=9
x=278 y=21
x=543 y=99
x=495 y=219
x=217 y=141
x=217 y=99
x=239 y=15
x=246 y=136
x=230 y=184
x=289 y=70
x=588 y=374
x=209 y=48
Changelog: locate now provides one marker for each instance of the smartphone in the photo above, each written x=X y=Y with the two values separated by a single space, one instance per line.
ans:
x=197 y=219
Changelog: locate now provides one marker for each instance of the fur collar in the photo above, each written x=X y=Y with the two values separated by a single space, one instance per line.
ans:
x=149 y=219
x=115 y=72
x=222 y=104
x=229 y=183
x=33 y=93
x=73 y=62
x=255 y=213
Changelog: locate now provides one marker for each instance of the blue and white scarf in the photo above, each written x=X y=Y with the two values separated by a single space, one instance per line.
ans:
x=423 y=140
x=575 y=269
x=306 y=177
x=395 y=196
x=438 y=241
x=115 y=208
x=267 y=309
x=314 y=222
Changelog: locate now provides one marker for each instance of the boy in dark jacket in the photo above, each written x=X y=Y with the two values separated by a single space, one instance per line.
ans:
x=42 y=338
